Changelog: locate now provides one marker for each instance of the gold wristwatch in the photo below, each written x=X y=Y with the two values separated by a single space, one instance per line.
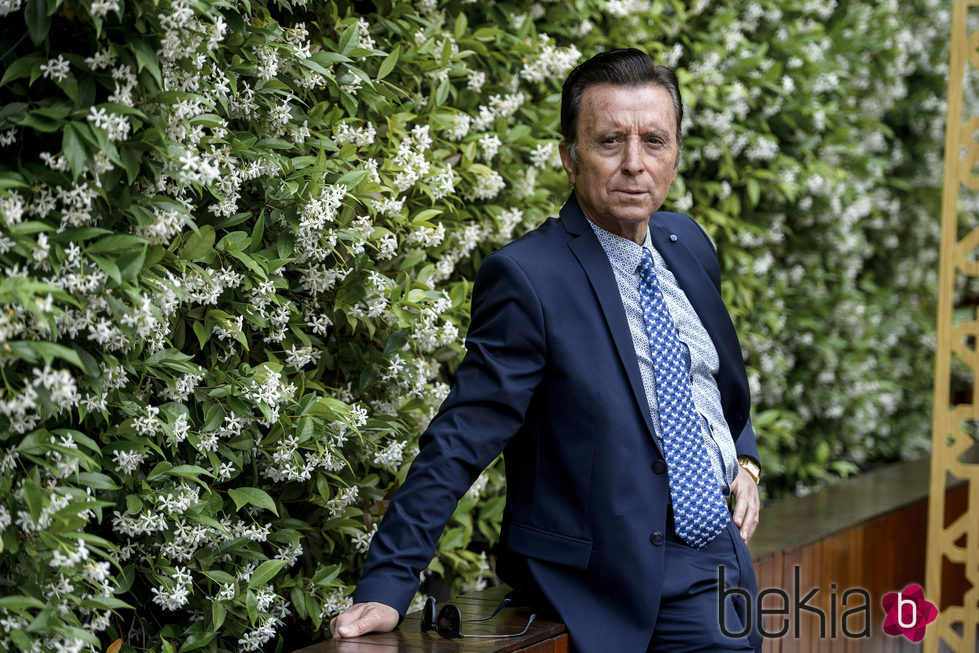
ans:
x=750 y=466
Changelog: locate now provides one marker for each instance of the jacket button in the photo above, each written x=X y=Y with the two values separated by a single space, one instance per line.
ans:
x=659 y=466
x=656 y=538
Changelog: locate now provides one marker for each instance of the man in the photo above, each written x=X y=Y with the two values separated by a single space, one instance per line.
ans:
x=603 y=363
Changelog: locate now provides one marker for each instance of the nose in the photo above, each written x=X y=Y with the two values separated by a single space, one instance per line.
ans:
x=632 y=163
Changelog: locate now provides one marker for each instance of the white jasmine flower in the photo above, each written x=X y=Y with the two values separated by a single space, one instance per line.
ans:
x=56 y=69
x=490 y=145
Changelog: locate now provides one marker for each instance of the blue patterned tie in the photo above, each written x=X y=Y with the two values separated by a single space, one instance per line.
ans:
x=699 y=510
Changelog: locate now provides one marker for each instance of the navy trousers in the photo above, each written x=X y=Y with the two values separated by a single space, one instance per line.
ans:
x=690 y=613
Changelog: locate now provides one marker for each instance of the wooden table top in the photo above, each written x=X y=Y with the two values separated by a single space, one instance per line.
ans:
x=408 y=636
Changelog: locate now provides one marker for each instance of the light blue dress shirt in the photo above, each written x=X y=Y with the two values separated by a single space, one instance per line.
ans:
x=701 y=354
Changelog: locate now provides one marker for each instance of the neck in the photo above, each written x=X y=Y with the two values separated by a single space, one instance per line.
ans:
x=634 y=231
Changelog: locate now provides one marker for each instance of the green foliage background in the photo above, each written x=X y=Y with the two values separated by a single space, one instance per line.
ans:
x=237 y=239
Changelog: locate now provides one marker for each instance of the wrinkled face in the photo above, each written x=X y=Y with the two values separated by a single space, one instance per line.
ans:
x=627 y=155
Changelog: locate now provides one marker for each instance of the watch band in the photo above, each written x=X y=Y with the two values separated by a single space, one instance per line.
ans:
x=750 y=466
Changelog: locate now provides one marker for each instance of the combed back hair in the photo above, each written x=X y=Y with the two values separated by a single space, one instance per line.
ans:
x=624 y=67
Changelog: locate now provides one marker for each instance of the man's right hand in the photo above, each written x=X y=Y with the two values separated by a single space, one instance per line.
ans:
x=362 y=618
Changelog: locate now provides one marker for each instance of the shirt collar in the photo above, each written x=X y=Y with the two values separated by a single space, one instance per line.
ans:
x=621 y=251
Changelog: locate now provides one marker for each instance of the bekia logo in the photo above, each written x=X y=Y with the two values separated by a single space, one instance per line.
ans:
x=908 y=613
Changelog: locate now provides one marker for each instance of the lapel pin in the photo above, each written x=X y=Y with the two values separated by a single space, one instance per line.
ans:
x=673 y=238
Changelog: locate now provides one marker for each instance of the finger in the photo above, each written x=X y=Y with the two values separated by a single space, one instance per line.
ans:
x=750 y=521
x=367 y=621
x=740 y=510
x=740 y=505
x=344 y=619
x=748 y=529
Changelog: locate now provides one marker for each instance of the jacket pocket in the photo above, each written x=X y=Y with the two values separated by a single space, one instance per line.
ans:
x=549 y=546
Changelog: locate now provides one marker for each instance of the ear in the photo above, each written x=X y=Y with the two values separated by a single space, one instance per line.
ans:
x=568 y=164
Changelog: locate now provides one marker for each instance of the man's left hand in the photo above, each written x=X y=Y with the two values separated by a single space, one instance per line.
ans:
x=746 y=504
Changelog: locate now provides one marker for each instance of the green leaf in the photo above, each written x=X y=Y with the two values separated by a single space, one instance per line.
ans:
x=352 y=179
x=189 y=471
x=38 y=21
x=218 y=614
x=252 y=495
x=10 y=179
x=51 y=350
x=79 y=633
x=412 y=259
x=19 y=602
x=389 y=62
x=325 y=58
x=74 y=150
x=196 y=641
x=348 y=40
x=115 y=243
x=325 y=575
x=168 y=355
x=487 y=33
x=21 y=639
x=396 y=341
x=754 y=191
x=106 y=603
x=460 y=27
x=132 y=264
x=134 y=505
x=219 y=576
x=199 y=244
x=109 y=267
x=298 y=598
x=251 y=604
x=130 y=162
x=159 y=470
x=21 y=68
x=44 y=120
x=97 y=481
x=146 y=59
x=33 y=498
x=203 y=335
x=249 y=262
x=265 y=572
x=70 y=86
x=255 y=242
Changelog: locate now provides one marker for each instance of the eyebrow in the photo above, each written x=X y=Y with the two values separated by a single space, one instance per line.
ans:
x=652 y=133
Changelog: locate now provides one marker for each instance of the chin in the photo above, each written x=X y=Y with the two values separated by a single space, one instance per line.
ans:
x=632 y=214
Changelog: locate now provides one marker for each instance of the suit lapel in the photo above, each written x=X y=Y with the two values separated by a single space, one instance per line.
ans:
x=594 y=261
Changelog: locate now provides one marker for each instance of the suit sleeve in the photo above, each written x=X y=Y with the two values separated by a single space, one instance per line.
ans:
x=744 y=443
x=494 y=384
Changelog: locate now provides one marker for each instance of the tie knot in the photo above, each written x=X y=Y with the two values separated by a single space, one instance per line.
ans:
x=646 y=265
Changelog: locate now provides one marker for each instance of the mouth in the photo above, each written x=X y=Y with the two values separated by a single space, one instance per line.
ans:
x=631 y=193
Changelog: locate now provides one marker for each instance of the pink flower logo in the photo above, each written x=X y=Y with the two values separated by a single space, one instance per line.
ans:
x=908 y=613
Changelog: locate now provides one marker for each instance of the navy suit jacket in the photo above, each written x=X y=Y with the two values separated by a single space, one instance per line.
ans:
x=550 y=378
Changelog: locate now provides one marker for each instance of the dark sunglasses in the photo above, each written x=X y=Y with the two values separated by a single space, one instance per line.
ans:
x=448 y=621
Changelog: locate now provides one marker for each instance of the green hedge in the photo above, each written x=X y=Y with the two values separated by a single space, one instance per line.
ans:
x=238 y=237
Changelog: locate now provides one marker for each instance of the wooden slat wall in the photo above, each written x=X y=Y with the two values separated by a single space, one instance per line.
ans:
x=880 y=555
